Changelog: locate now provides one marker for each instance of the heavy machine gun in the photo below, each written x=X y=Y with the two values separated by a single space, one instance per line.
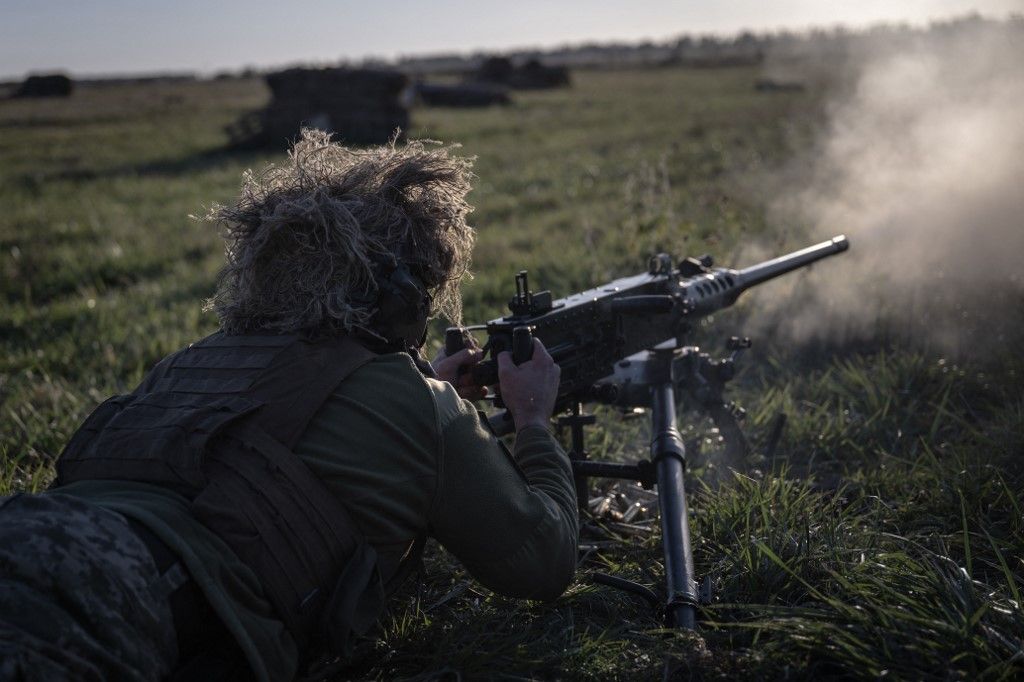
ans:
x=624 y=343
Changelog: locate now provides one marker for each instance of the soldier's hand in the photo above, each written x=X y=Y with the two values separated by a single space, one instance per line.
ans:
x=529 y=390
x=456 y=370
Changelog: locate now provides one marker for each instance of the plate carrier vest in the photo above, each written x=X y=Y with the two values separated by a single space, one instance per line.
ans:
x=217 y=422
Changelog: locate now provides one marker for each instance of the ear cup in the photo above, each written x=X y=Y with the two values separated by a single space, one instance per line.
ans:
x=403 y=306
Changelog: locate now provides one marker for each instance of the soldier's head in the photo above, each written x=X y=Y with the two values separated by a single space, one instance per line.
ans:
x=353 y=240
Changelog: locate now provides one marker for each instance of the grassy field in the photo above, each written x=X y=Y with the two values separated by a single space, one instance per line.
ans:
x=885 y=538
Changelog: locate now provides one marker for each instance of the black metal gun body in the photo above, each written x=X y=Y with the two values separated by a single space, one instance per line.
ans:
x=583 y=334
x=587 y=333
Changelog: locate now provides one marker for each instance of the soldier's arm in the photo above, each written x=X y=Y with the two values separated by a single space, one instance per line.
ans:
x=510 y=518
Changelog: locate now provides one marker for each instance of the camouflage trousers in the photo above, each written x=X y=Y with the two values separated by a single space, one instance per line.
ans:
x=80 y=595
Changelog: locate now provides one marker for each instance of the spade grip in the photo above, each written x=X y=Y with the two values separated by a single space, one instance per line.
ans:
x=522 y=344
x=454 y=340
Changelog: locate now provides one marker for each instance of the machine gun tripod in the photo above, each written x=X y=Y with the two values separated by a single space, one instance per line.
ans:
x=655 y=379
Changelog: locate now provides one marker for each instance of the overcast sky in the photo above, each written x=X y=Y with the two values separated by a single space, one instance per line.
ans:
x=126 y=36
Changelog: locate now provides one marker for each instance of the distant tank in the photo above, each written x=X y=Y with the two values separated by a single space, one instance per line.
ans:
x=48 y=85
x=464 y=95
x=360 y=106
x=531 y=75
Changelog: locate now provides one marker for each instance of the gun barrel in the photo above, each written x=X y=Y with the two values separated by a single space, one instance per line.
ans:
x=762 y=272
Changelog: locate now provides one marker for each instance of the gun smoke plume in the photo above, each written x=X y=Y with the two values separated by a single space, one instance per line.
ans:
x=921 y=164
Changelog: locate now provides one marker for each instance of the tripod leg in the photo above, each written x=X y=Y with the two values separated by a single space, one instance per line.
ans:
x=669 y=455
x=578 y=453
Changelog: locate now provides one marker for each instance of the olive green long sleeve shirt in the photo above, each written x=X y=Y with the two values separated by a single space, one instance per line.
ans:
x=421 y=463
x=409 y=459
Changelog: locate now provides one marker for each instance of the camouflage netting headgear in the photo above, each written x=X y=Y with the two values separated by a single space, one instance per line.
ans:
x=303 y=239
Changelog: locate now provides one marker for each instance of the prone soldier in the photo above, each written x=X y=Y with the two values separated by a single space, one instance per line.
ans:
x=252 y=503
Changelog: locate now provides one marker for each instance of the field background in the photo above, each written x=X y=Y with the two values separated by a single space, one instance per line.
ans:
x=885 y=539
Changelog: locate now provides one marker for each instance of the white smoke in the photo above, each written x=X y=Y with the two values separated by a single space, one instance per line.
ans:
x=922 y=166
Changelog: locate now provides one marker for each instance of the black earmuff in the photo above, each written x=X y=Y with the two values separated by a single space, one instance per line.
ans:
x=403 y=306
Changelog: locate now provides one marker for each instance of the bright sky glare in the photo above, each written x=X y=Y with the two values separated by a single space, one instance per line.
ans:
x=132 y=36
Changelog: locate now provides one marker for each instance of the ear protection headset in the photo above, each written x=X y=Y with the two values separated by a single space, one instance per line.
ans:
x=403 y=305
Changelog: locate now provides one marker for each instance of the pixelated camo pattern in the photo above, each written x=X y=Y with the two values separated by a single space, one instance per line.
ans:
x=77 y=600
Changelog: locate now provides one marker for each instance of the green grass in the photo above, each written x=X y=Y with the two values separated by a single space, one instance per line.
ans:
x=884 y=538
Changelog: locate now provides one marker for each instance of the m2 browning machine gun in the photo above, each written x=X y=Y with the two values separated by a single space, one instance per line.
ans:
x=624 y=343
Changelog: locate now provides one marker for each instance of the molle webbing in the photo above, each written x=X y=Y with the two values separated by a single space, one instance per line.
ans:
x=217 y=422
